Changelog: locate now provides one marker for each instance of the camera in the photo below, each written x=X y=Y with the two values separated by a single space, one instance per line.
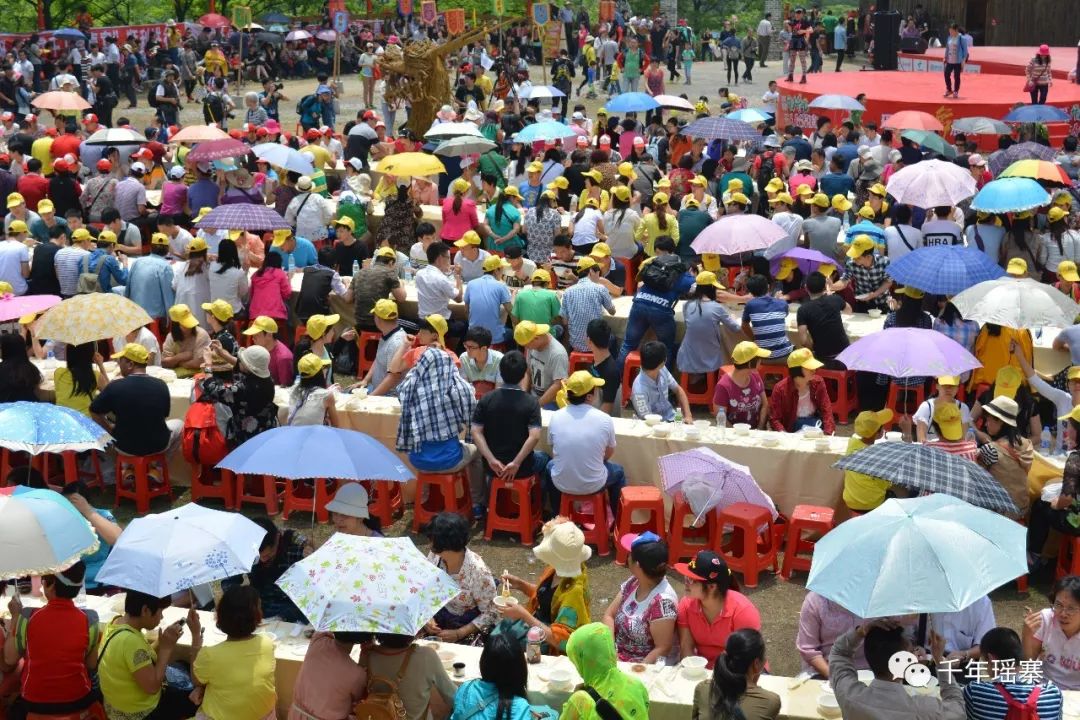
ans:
x=279 y=86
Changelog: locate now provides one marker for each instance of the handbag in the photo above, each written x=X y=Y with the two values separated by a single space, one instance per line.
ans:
x=1029 y=86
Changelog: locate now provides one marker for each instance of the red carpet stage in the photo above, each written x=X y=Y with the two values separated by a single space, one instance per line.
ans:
x=992 y=60
x=889 y=92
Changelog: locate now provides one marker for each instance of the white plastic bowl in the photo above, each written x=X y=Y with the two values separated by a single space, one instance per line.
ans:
x=741 y=428
x=661 y=430
x=653 y=419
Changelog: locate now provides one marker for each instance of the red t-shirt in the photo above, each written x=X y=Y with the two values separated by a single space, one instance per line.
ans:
x=710 y=637
x=65 y=144
x=741 y=405
x=34 y=188
x=56 y=640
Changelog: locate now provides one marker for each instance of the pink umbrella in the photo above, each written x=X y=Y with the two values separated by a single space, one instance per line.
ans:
x=296 y=35
x=327 y=35
x=734 y=234
x=214 y=20
x=708 y=480
x=15 y=306
x=913 y=120
x=218 y=149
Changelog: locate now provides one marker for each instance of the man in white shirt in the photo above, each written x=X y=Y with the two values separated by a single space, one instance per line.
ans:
x=771 y=96
x=790 y=221
x=582 y=442
x=179 y=238
x=15 y=257
x=764 y=35
x=939 y=229
x=434 y=287
x=900 y=237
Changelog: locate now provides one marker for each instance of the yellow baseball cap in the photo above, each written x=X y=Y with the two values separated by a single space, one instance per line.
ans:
x=438 y=324
x=738 y=198
x=559 y=183
x=262 y=324
x=734 y=185
x=534 y=167
x=15 y=200
x=1007 y=381
x=949 y=423
x=82 y=235
x=841 y=203
x=386 y=252
x=593 y=175
x=494 y=262
x=471 y=237
x=155 y=239
x=511 y=191
x=787 y=268
x=627 y=171
x=1074 y=373
x=803 y=358
x=868 y=422
x=861 y=245
x=802 y=190
x=707 y=278
x=526 y=331
x=913 y=293
x=385 y=309
x=317 y=325
x=782 y=199
x=711 y=262
x=663 y=183
x=1074 y=414
x=17 y=226
x=46 y=206
x=549 y=194
x=826 y=269
x=775 y=185
x=221 y=309
x=1017 y=267
x=700 y=181
x=601 y=250
x=460 y=186
x=197 y=245
x=948 y=380
x=203 y=212
x=877 y=189
x=660 y=198
x=586 y=262
x=134 y=352
x=1066 y=270
x=867 y=212
x=690 y=202
x=622 y=192
x=541 y=275
x=346 y=221
x=582 y=383
x=106 y=236
x=1056 y=213
x=5 y=288
x=311 y=365
x=28 y=317
x=1063 y=198
x=280 y=236
x=181 y=314
x=746 y=351
x=820 y=199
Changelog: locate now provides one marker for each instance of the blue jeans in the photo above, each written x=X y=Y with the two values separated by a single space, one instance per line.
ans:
x=552 y=496
x=642 y=317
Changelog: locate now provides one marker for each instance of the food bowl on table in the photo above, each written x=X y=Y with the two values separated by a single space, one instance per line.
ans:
x=827 y=705
x=661 y=430
x=638 y=668
x=741 y=428
x=504 y=602
x=691 y=432
x=702 y=425
x=770 y=440
x=813 y=432
x=447 y=658
x=560 y=678
x=823 y=444
x=874 y=312
x=653 y=419
x=894 y=436
x=694 y=667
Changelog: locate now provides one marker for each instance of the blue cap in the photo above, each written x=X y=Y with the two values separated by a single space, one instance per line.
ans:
x=631 y=541
x=323 y=89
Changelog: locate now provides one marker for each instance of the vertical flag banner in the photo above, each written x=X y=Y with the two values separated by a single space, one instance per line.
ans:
x=607 y=10
x=541 y=13
x=428 y=12
x=498 y=7
x=405 y=7
x=455 y=20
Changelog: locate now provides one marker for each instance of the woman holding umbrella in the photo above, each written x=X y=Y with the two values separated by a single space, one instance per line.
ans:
x=1006 y=453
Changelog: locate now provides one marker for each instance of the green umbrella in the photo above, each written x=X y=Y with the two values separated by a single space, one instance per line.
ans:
x=931 y=141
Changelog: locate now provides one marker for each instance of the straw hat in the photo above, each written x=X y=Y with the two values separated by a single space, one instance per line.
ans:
x=563 y=548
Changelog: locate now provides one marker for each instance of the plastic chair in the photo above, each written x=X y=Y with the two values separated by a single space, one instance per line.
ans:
x=514 y=506
x=367 y=344
x=631 y=368
x=700 y=395
x=812 y=518
x=72 y=473
x=843 y=391
x=893 y=401
x=629 y=284
x=684 y=540
x=638 y=498
x=776 y=372
x=300 y=501
x=446 y=492
x=590 y=512
x=203 y=486
x=749 y=550
x=143 y=491
x=384 y=500
x=580 y=360
x=257 y=489
x=1068 y=562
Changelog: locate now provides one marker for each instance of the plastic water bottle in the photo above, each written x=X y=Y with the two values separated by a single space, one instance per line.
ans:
x=721 y=421
x=355 y=268
x=678 y=417
x=1045 y=440
x=49 y=354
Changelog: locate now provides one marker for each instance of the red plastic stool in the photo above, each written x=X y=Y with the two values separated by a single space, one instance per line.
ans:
x=367 y=344
x=640 y=498
x=629 y=283
x=843 y=392
x=593 y=523
x=631 y=368
x=699 y=396
x=812 y=518
x=580 y=360
x=1068 y=557
x=315 y=502
x=70 y=462
x=142 y=493
x=777 y=372
x=684 y=540
x=893 y=400
x=384 y=500
x=749 y=551
x=258 y=489
x=514 y=506
x=203 y=485
x=447 y=492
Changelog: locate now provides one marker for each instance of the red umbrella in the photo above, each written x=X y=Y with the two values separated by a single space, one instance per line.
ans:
x=213 y=20
x=218 y=149
x=914 y=120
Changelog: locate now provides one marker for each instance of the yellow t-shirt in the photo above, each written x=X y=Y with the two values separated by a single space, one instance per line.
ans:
x=239 y=679
x=127 y=651
x=605 y=199
x=42 y=150
x=320 y=156
x=649 y=229
x=862 y=492
x=485 y=83
x=65 y=391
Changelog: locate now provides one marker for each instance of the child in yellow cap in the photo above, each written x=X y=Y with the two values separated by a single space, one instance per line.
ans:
x=221 y=355
x=186 y=344
x=863 y=493
x=311 y=400
x=948 y=386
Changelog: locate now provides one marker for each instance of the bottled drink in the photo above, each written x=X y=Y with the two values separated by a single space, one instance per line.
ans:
x=1045 y=440
x=533 y=640
x=678 y=416
x=355 y=268
x=721 y=421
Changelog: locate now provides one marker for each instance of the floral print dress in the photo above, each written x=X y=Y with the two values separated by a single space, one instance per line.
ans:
x=633 y=641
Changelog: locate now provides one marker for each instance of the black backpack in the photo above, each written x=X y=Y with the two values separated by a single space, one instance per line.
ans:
x=151 y=96
x=663 y=273
x=213 y=109
x=767 y=169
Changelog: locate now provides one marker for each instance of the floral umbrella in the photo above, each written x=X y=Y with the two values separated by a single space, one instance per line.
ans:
x=95 y=316
x=218 y=150
x=368 y=584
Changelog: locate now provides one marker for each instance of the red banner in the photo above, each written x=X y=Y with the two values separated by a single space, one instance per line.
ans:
x=405 y=7
x=455 y=21
x=607 y=10
x=428 y=12
x=97 y=34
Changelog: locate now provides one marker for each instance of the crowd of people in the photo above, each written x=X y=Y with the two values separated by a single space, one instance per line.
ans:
x=481 y=298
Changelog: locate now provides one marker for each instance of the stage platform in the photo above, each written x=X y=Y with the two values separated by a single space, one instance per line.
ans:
x=889 y=92
x=992 y=60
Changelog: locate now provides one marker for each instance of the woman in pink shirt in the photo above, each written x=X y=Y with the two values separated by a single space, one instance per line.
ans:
x=330 y=682
x=270 y=290
x=174 y=194
x=458 y=212
x=821 y=621
x=711 y=609
x=1053 y=634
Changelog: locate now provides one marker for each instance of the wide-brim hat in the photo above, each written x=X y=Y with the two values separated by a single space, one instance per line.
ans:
x=1004 y=408
x=564 y=549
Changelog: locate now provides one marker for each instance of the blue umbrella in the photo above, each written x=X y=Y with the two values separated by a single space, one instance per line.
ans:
x=1014 y=194
x=45 y=428
x=921 y=555
x=544 y=130
x=944 y=269
x=750 y=115
x=69 y=34
x=632 y=102
x=41 y=532
x=316 y=451
x=717 y=128
x=1036 y=113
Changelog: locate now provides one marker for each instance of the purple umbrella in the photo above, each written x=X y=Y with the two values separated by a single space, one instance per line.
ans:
x=734 y=234
x=15 y=306
x=708 y=480
x=1020 y=151
x=218 y=149
x=808 y=259
x=908 y=352
x=243 y=216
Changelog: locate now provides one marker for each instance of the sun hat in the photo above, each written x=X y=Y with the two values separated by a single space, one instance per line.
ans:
x=181 y=314
x=460 y=185
x=385 y=309
x=351 y=499
x=1044 y=50
x=601 y=250
x=436 y=324
x=494 y=262
x=262 y=324
x=134 y=352
x=948 y=421
x=15 y=227
x=1066 y=269
x=221 y=309
x=563 y=547
x=256 y=359
x=707 y=278
x=1004 y=408
x=469 y=238
x=868 y=422
x=1017 y=267
x=311 y=365
x=317 y=325
x=804 y=358
x=706 y=566
x=1008 y=381
x=861 y=245
x=304 y=183
x=526 y=331
x=746 y=351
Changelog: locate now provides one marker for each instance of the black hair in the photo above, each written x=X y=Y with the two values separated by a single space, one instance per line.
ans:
x=33 y=165
x=239 y=611
x=729 y=681
x=652 y=557
x=758 y=285
x=436 y=250
x=902 y=214
x=135 y=601
x=394 y=641
x=325 y=256
x=599 y=332
x=228 y=256
x=653 y=355
x=272 y=531
x=479 y=335
x=664 y=243
x=514 y=252
x=503 y=665
x=272 y=260
x=447 y=531
x=20 y=371
x=950 y=315
x=27 y=476
x=561 y=240
x=880 y=645
x=910 y=312
x=513 y=365
x=815 y=283
x=1002 y=643
x=74 y=575
x=424 y=228
x=80 y=363
x=704 y=291
x=109 y=215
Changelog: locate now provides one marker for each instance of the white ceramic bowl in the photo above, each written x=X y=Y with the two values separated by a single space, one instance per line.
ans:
x=823 y=444
x=894 y=436
x=770 y=441
x=661 y=430
x=691 y=432
x=653 y=419
x=501 y=601
x=560 y=678
x=694 y=666
x=741 y=428
x=874 y=313
x=813 y=432
x=702 y=425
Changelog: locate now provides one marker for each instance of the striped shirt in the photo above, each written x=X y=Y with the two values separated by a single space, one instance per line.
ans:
x=582 y=303
x=68 y=263
x=768 y=319
x=984 y=702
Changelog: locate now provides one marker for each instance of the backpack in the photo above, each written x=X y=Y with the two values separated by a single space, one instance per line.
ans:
x=382 y=705
x=88 y=280
x=663 y=272
x=767 y=169
x=304 y=103
x=201 y=439
x=1016 y=710
x=213 y=109
x=151 y=95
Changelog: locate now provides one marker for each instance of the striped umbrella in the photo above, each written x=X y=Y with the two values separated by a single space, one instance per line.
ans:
x=243 y=216
x=1043 y=171
x=714 y=128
